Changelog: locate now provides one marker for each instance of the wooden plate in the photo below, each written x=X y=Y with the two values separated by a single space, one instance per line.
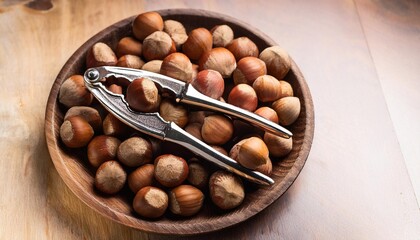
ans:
x=79 y=176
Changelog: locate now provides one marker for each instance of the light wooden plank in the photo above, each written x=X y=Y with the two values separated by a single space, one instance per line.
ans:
x=392 y=30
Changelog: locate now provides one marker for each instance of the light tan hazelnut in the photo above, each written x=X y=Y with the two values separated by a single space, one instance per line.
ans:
x=210 y=83
x=152 y=66
x=170 y=170
x=286 y=89
x=177 y=32
x=157 y=46
x=143 y=95
x=135 y=151
x=128 y=46
x=141 y=177
x=249 y=69
x=101 y=149
x=226 y=190
x=243 y=96
x=110 y=177
x=185 y=200
x=150 y=202
x=130 y=61
x=250 y=152
x=217 y=129
x=288 y=110
x=278 y=146
x=268 y=88
x=146 y=24
x=177 y=65
x=267 y=113
x=198 y=42
x=100 y=55
x=243 y=47
x=222 y=35
x=277 y=61
x=218 y=59
x=73 y=92
x=173 y=112
x=76 y=132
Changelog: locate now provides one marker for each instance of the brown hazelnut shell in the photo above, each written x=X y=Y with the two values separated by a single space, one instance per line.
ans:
x=147 y=23
x=150 y=202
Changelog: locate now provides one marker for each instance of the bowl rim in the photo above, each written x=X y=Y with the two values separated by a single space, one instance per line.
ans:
x=170 y=228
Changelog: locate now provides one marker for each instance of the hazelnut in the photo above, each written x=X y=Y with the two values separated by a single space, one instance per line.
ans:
x=76 y=132
x=286 y=89
x=135 y=151
x=128 y=46
x=266 y=169
x=250 y=152
x=226 y=190
x=173 y=112
x=185 y=200
x=194 y=129
x=91 y=115
x=222 y=35
x=194 y=71
x=178 y=66
x=101 y=149
x=177 y=32
x=197 y=117
x=277 y=61
x=217 y=129
x=243 y=47
x=146 y=24
x=114 y=88
x=248 y=69
x=218 y=59
x=288 y=110
x=268 y=88
x=152 y=66
x=141 y=177
x=112 y=126
x=74 y=93
x=243 y=96
x=143 y=95
x=100 y=55
x=150 y=202
x=110 y=177
x=157 y=46
x=198 y=175
x=267 y=113
x=130 y=61
x=278 y=146
x=210 y=83
x=157 y=146
x=170 y=170
x=220 y=150
x=198 y=42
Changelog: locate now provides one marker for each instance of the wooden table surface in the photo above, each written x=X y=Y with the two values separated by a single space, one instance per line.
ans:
x=361 y=59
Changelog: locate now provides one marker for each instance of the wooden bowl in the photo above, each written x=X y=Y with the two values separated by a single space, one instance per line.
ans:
x=73 y=167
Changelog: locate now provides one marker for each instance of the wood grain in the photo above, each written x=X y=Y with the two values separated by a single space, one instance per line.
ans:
x=392 y=30
x=355 y=183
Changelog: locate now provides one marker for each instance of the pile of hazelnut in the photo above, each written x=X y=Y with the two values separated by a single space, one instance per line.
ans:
x=216 y=64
